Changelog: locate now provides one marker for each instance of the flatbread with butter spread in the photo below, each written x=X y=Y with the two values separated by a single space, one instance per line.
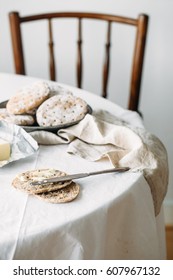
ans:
x=23 y=181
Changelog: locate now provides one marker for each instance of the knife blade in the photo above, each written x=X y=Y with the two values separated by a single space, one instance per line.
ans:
x=77 y=176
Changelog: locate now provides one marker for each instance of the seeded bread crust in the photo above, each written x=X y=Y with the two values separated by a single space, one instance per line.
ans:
x=64 y=195
x=29 y=98
x=16 y=119
x=22 y=181
x=61 y=109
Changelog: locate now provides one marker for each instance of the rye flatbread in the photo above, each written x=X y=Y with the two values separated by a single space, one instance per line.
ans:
x=22 y=181
x=66 y=194
x=27 y=99
x=61 y=109
x=16 y=119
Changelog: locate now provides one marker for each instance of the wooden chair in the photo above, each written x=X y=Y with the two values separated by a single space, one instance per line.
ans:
x=139 y=23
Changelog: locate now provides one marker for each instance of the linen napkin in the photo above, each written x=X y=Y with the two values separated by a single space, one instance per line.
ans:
x=103 y=135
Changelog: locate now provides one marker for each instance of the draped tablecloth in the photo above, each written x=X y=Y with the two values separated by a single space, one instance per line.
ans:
x=115 y=216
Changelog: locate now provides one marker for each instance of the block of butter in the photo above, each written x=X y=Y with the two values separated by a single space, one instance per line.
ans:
x=4 y=150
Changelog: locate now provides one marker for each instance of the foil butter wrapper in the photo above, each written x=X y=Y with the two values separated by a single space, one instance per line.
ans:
x=21 y=143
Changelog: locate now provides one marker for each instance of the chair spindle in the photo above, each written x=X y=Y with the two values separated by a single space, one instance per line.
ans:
x=79 y=54
x=51 y=53
x=107 y=61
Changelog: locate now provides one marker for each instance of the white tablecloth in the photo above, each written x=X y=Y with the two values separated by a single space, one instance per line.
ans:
x=112 y=218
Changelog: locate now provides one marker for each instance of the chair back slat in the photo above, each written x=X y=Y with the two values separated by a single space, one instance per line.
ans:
x=51 y=53
x=137 y=66
x=17 y=43
x=107 y=61
x=79 y=54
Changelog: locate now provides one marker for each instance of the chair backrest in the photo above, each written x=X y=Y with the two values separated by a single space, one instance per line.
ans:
x=139 y=23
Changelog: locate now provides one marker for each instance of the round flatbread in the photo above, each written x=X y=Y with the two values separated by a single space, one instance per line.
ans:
x=66 y=194
x=61 y=109
x=16 y=119
x=23 y=181
x=57 y=89
x=28 y=98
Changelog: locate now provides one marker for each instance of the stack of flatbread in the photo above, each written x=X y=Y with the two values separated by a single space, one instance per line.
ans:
x=42 y=105
x=54 y=193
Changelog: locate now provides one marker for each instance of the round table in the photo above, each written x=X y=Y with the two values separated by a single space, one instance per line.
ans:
x=112 y=218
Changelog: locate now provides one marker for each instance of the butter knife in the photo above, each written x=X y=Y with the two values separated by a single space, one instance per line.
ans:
x=77 y=176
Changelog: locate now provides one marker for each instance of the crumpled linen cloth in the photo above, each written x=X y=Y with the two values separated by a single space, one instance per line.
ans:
x=103 y=135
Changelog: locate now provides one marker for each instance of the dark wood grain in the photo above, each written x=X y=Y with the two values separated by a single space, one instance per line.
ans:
x=51 y=53
x=79 y=57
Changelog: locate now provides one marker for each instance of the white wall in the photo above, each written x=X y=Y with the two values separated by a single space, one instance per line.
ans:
x=157 y=86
